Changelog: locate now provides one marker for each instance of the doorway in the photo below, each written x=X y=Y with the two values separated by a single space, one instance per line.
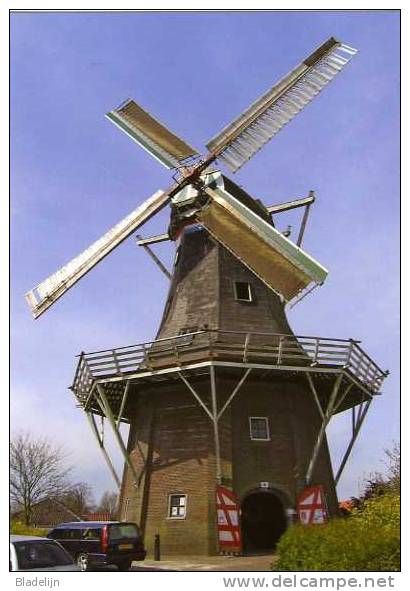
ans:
x=263 y=521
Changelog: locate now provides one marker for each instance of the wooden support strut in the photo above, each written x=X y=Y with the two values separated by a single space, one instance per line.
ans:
x=212 y=415
x=281 y=207
x=196 y=396
x=215 y=415
x=327 y=416
x=234 y=393
x=100 y=441
x=356 y=428
x=153 y=256
x=123 y=402
x=105 y=407
x=315 y=396
x=305 y=219
x=215 y=426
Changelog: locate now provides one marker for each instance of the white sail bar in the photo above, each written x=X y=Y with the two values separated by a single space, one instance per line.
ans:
x=164 y=145
x=51 y=289
x=247 y=134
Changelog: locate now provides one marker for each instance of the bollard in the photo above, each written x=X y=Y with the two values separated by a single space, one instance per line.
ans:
x=157 y=547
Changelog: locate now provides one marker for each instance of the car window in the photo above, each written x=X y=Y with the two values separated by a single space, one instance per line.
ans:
x=40 y=555
x=58 y=534
x=91 y=534
x=123 y=530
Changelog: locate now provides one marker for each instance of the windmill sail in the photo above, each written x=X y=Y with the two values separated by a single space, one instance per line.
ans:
x=150 y=134
x=280 y=264
x=51 y=289
x=249 y=132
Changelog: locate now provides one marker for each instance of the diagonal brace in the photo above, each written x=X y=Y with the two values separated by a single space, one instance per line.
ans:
x=123 y=402
x=326 y=418
x=315 y=396
x=154 y=257
x=197 y=397
x=356 y=428
x=105 y=407
x=234 y=393
x=94 y=429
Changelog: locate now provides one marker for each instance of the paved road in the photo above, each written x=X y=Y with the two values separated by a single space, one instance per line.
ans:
x=148 y=568
x=260 y=563
x=208 y=563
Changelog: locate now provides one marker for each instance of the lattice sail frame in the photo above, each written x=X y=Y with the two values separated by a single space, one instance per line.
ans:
x=163 y=144
x=51 y=289
x=258 y=124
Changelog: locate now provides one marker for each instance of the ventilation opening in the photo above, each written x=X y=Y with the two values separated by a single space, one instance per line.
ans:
x=243 y=291
x=263 y=522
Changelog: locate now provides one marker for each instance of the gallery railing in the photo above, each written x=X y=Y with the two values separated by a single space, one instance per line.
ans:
x=281 y=350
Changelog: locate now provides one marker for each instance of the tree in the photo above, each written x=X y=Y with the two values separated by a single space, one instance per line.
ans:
x=79 y=498
x=37 y=472
x=378 y=484
x=393 y=464
x=108 y=503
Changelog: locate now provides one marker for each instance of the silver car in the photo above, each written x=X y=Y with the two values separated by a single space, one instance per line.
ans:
x=32 y=553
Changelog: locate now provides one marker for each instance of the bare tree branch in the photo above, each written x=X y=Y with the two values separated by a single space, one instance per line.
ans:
x=108 y=503
x=37 y=472
x=79 y=498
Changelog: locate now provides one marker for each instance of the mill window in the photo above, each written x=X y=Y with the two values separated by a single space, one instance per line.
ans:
x=186 y=340
x=259 y=428
x=188 y=330
x=177 y=506
x=243 y=291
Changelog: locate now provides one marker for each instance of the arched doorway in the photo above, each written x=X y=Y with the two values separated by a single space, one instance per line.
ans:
x=263 y=521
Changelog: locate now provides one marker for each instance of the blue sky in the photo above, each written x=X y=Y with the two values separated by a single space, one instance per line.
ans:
x=73 y=175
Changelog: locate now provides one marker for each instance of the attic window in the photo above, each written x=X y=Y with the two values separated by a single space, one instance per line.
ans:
x=243 y=291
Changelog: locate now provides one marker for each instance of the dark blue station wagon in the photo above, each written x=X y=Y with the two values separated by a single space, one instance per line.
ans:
x=94 y=544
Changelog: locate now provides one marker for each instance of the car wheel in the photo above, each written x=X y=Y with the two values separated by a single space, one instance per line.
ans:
x=125 y=565
x=83 y=562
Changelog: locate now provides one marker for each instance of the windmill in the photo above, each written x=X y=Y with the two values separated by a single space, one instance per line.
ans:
x=226 y=394
x=233 y=146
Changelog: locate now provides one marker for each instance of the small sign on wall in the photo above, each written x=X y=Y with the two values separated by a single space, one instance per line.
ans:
x=264 y=484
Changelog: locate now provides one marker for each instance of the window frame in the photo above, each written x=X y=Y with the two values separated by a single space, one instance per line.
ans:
x=177 y=517
x=250 y=292
x=267 y=438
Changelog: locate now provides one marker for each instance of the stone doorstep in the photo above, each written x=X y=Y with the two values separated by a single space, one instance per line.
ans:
x=211 y=563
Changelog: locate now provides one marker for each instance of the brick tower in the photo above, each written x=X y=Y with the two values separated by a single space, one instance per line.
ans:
x=171 y=439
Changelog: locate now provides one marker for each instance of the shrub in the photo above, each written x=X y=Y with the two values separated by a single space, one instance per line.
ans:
x=16 y=527
x=369 y=540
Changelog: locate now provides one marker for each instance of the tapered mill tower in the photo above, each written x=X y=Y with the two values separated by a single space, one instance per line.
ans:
x=221 y=319
x=226 y=407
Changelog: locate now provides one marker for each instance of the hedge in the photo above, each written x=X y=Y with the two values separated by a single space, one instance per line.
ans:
x=368 y=540
x=16 y=527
